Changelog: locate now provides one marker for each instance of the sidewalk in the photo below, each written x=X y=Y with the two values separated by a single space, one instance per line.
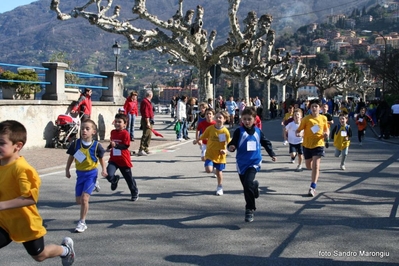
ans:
x=46 y=159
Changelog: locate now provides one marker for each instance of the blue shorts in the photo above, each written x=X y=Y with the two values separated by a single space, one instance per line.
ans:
x=310 y=153
x=85 y=182
x=296 y=148
x=217 y=166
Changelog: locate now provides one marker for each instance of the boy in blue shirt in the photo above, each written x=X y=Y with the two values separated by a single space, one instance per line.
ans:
x=247 y=140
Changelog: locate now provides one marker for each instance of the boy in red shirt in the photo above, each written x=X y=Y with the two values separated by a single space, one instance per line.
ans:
x=361 y=121
x=209 y=114
x=120 y=156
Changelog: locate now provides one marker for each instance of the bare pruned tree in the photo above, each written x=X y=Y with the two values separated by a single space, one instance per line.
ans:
x=182 y=36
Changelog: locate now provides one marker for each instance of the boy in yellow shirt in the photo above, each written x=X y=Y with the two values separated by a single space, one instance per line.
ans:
x=341 y=135
x=20 y=220
x=315 y=130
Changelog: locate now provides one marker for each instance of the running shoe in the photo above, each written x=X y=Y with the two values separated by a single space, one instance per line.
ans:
x=70 y=258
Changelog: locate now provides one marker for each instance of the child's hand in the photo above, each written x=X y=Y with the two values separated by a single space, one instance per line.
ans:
x=274 y=159
x=195 y=141
x=199 y=142
x=112 y=144
x=104 y=173
x=223 y=152
x=67 y=174
x=232 y=148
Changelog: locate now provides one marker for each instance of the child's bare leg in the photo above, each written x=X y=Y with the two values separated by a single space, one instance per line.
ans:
x=308 y=163
x=83 y=201
x=49 y=251
x=219 y=177
x=300 y=159
x=209 y=169
x=315 y=168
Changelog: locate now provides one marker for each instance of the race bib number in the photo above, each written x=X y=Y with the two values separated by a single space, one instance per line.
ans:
x=222 y=137
x=251 y=146
x=79 y=156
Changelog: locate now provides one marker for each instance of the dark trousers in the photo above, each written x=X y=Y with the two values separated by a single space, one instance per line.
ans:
x=127 y=174
x=360 y=134
x=247 y=181
x=395 y=125
x=146 y=137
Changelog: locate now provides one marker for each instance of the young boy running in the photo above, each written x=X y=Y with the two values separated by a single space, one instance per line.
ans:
x=217 y=137
x=361 y=121
x=20 y=220
x=330 y=121
x=341 y=135
x=247 y=140
x=87 y=153
x=295 y=143
x=315 y=130
x=202 y=126
x=120 y=157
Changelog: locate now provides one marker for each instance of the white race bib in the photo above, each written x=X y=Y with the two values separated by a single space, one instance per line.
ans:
x=360 y=120
x=251 y=146
x=315 y=129
x=344 y=133
x=116 y=152
x=222 y=137
x=79 y=156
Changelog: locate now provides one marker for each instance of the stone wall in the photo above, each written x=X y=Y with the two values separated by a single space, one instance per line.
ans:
x=38 y=116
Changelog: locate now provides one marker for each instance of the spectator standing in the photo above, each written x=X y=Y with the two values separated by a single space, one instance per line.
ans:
x=273 y=109
x=173 y=103
x=132 y=111
x=181 y=115
x=83 y=106
x=384 y=117
x=147 y=114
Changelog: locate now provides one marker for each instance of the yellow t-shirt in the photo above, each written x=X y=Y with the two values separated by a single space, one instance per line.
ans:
x=340 y=141
x=314 y=128
x=217 y=140
x=20 y=179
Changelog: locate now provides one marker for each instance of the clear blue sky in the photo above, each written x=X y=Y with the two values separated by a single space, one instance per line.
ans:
x=7 y=5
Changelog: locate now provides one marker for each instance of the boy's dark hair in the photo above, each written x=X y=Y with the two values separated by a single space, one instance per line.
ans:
x=121 y=116
x=344 y=114
x=249 y=111
x=210 y=110
x=91 y=122
x=315 y=101
x=14 y=130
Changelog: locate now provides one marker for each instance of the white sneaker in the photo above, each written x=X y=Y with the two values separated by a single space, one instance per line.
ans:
x=81 y=227
x=219 y=191
x=298 y=168
x=293 y=161
x=312 y=192
x=70 y=258
x=142 y=153
x=285 y=142
x=342 y=167
x=97 y=187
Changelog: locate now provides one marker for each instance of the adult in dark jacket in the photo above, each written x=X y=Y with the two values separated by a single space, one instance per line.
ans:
x=384 y=119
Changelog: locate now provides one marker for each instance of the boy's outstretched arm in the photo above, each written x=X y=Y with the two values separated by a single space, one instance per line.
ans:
x=16 y=203
x=68 y=166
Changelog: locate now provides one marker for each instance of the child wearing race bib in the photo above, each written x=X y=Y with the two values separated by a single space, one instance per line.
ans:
x=341 y=135
x=315 y=131
x=247 y=141
x=217 y=137
x=87 y=153
x=120 y=157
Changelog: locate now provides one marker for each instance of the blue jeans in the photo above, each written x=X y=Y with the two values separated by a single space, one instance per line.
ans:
x=183 y=129
x=130 y=126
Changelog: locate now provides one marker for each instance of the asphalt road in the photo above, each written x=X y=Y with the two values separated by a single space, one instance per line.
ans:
x=179 y=221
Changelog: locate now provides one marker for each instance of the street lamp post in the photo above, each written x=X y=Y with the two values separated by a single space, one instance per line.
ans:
x=117 y=51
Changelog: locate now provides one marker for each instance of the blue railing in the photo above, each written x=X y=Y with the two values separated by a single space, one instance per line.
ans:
x=41 y=75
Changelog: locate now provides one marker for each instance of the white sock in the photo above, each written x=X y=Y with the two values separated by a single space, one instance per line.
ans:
x=65 y=251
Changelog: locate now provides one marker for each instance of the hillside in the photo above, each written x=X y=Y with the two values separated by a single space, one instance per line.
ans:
x=30 y=34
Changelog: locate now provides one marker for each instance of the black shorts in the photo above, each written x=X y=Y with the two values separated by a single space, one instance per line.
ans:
x=310 y=153
x=296 y=148
x=33 y=247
